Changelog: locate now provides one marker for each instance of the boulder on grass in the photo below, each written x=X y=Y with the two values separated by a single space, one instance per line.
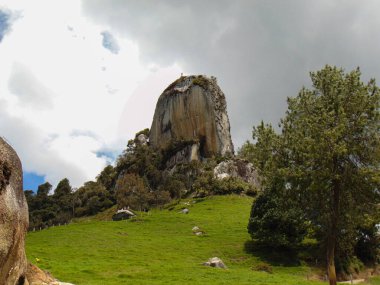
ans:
x=185 y=211
x=215 y=262
x=123 y=214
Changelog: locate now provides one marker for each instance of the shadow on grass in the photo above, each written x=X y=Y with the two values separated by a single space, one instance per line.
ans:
x=273 y=256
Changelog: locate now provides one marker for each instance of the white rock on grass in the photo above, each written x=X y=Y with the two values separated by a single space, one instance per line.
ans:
x=215 y=262
x=185 y=211
x=196 y=229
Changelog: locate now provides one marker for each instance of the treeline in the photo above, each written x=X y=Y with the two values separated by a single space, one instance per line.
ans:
x=321 y=175
x=139 y=180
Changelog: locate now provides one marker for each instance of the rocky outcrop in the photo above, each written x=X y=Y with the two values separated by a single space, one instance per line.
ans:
x=185 y=154
x=13 y=218
x=193 y=110
x=237 y=168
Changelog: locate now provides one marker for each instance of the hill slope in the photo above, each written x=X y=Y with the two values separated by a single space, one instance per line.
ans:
x=159 y=248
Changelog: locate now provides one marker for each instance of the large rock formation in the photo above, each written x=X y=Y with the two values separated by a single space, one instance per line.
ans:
x=13 y=218
x=192 y=110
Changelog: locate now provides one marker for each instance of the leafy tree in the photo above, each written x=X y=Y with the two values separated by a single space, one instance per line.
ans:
x=329 y=153
x=107 y=178
x=63 y=198
x=141 y=160
x=260 y=152
x=92 y=198
x=132 y=192
x=44 y=189
x=63 y=188
x=275 y=223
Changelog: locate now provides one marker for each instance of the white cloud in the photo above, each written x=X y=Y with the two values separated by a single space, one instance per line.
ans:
x=62 y=94
x=28 y=89
x=94 y=100
x=260 y=51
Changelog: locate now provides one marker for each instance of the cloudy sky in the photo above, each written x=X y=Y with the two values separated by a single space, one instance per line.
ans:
x=79 y=78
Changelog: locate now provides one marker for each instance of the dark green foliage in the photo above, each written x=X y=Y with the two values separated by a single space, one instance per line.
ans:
x=232 y=185
x=175 y=186
x=92 y=198
x=141 y=160
x=107 y=178
x=276 y=224
x=328 y=157
x=47 y=210
x=367 y=247
x=44 y=189
x=132 y=192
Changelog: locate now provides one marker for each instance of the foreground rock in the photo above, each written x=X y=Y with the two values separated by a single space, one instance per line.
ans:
x=36 y=276
x=215 y=262
x=193 y=112
x=13 y=218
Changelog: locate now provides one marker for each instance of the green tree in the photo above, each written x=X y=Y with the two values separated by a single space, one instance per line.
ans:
x=330 y=137
x=260 y=152
x=63 y=197
x=91 y=199
x=131 y=191
x=276 y=221
x=44 y=189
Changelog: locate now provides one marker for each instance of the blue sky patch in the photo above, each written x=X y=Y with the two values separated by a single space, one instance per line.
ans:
x=32 y=181
x=109 y=42
x=5 y=23
x=109 y=155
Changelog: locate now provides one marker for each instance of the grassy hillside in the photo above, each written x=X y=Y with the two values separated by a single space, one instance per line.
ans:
x=159 y=248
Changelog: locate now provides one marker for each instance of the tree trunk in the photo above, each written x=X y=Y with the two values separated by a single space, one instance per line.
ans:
x=331 y=260
x=331 y=239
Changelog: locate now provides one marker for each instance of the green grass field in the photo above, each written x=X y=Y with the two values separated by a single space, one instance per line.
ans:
x=160 y=248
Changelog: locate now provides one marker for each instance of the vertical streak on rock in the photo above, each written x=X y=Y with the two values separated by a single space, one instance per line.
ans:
x=193 y=108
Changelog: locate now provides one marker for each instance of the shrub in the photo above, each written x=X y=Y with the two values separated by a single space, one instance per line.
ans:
x=271 y=225
x=231 y=185
x=263 y=266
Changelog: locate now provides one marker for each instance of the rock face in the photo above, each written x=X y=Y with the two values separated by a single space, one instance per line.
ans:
x=193 y=110
x=13 y=218
x=237 y=168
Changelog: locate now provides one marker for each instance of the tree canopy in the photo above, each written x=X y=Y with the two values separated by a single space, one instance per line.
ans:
x=327 y=155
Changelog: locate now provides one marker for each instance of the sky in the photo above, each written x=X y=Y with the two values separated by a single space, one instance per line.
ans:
x=80 y=78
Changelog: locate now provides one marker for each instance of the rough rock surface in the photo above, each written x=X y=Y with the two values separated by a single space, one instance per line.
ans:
x=186 y=154
x=36 y=276
x=142 y=139
x=13 y=218
x=215 y=262
x=193 y=109
x=237 y=168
